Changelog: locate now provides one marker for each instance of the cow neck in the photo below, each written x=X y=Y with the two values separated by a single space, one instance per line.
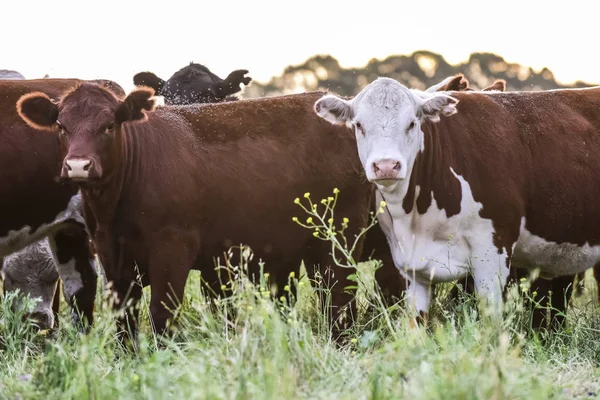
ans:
x=430 y=178
x=104 y=201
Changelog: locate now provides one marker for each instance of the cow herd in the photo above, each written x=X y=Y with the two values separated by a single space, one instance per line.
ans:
x=477 y=185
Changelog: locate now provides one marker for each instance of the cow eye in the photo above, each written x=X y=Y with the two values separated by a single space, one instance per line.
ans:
x=63 y=131
x=410 y=127
x=110 y=128
x=360 y=127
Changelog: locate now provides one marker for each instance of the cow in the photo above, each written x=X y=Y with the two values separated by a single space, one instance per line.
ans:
x=35 y=204
x=10 y=74
x=171 y=188
x=193 y=84
x=469 y=183
x=33 y=272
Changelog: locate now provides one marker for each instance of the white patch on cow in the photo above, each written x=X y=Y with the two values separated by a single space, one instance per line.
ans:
x=78 y=168
x=18 y=239
x=70 y=277
x=429 y=248
x=553 y=259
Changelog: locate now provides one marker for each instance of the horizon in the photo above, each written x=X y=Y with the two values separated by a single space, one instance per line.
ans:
x=265 y=39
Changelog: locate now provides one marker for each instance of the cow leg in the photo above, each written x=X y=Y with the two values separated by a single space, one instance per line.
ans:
x=490 y=273
x=418 y=298
x=173 y=255
x=336 y=303
x=76 y=269
x=557 y=292
x=387 y=277
x=56 y=305
x=128 y=295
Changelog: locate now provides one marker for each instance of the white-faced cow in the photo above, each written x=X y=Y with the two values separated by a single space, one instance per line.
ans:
x=194 y=84
x=472 y=180
x=35 y=204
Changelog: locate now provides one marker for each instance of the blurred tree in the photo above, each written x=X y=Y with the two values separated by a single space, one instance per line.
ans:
x=419 y=70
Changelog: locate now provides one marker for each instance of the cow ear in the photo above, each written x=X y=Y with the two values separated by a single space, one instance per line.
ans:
x=457 y=83
x=437 y=105
x=334 y=109
x=38 y=111
x=498 y=85
x=134 y=106
x=148 y=79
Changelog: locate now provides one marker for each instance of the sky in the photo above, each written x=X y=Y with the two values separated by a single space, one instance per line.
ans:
x=115 y=39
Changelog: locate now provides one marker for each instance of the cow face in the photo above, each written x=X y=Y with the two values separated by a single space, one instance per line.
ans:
x=387 y=118
x=88 y=120
x=33 y=272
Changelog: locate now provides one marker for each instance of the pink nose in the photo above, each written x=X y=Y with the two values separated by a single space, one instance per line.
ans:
x=386 y=169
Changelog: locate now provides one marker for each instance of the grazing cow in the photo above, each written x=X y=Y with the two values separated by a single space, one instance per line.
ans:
x=34 y=203
x=194 y=84
x=170 y=189
x=471 y=188
x=32 y=270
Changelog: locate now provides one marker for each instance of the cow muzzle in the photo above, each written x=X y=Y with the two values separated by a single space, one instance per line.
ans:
x=43 y=319
x=387 y=172
x=78 y=169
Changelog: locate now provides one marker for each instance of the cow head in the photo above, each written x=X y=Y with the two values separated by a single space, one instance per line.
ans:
x=88 y=121
x=194 y=84
x=33 y=272
x=387 y=117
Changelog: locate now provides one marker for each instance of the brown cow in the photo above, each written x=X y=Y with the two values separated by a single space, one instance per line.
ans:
x=194 y=84
x=34 y=204
x=170 y=189
x=477 y=191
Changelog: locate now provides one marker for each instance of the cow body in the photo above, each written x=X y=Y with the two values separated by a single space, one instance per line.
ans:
x=34 y=203
x=173 y=192
x=475 y=191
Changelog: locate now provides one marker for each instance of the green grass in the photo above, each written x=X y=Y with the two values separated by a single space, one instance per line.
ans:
x=273 y=351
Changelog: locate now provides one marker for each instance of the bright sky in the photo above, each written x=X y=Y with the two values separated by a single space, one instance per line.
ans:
x=115 y=39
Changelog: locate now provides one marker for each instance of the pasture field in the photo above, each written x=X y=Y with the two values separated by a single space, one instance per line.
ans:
x=270 y=350
x=274 y=352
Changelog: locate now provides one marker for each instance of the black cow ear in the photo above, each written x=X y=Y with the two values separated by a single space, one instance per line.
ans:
x=135 y=106
x=233 y=83
x=38 y=111
x=148 y=79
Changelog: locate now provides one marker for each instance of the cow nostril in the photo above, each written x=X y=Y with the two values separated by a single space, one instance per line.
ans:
x=87 y=166
x=375 y=167
x=39 y=318
x=397 y=166
x=68 y=167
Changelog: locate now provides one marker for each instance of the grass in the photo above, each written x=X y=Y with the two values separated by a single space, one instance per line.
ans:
x=275 y=351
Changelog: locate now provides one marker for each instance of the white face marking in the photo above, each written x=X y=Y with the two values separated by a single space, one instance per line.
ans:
x=553 y=259
x=18 y=239
x=387 y=118
x=78 y=168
